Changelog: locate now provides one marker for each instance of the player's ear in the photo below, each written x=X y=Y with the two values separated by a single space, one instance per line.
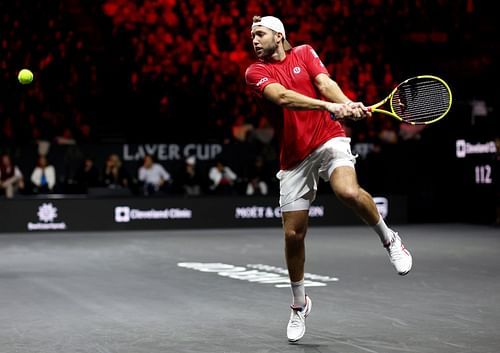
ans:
x=279 y=37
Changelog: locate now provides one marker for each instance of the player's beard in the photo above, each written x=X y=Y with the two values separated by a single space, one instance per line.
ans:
x=268 y=51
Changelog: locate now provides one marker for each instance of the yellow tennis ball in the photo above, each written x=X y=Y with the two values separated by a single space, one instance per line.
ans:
x=25 y=76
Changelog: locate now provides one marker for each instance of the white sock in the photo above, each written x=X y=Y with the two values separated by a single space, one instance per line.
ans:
x=383 y=231
x=299 y=294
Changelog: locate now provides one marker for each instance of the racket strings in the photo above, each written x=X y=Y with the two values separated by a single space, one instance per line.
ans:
x=420 y=101
x=425 y=103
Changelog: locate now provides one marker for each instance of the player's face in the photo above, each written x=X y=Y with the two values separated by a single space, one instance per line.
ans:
x=264 y=42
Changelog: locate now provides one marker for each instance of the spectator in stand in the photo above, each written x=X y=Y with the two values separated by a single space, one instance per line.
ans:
x=153 y=177
x=87 y=175
x=222 y=179
x=258 y=178
x=115 y=175
x=11 y=178
x=43 y=176
x=190 y=179
x=387 y=133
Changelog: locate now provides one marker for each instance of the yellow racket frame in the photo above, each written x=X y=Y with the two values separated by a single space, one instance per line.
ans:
x=373 y=108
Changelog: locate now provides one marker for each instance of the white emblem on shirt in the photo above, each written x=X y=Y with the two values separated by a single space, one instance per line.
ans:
x=261 y=81
x=296 y=70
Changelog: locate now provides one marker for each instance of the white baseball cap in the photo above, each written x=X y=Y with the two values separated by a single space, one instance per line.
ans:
x=276 y=25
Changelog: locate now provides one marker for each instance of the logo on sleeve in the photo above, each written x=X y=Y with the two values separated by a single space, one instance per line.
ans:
x=261 y=81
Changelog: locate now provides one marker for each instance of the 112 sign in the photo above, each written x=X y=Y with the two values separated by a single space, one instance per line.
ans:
x=483 y=174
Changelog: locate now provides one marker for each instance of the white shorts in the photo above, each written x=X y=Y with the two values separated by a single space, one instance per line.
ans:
x=298 y=186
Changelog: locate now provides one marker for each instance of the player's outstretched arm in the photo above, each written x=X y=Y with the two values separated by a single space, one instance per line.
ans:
x=292 y=100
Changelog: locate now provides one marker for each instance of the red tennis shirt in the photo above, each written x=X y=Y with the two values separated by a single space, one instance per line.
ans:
x=300 y=132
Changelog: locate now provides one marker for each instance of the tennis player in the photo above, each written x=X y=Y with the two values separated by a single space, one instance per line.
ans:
x=299 y=97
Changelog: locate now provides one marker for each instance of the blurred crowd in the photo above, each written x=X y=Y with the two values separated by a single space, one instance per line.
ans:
x=149 y=178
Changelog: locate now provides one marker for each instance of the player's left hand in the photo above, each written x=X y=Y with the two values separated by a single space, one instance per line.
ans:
x=359 y=111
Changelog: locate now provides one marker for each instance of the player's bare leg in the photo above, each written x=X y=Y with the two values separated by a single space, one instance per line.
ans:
x=345 y=185
x=295 y=228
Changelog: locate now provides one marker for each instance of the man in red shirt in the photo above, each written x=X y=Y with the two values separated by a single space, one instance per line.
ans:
x=297 y=94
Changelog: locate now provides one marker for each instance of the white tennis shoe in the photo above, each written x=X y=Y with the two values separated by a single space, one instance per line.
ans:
x=297 y=324
x=399 y=255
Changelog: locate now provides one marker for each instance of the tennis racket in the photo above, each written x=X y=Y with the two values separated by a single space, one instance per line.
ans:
x=418 y=100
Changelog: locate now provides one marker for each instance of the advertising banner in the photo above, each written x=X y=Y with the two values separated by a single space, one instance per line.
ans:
x=86 y=214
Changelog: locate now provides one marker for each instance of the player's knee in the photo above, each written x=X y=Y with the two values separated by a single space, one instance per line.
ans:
x=348 y=194
x=294 y=236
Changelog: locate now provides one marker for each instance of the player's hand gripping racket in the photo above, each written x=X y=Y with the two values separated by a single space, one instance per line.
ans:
x=418 y=100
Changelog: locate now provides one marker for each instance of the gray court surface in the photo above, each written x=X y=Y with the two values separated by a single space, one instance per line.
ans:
x=223 y=291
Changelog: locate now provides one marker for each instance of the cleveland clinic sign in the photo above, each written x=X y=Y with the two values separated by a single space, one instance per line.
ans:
x=127 y=214
x=464 y=148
